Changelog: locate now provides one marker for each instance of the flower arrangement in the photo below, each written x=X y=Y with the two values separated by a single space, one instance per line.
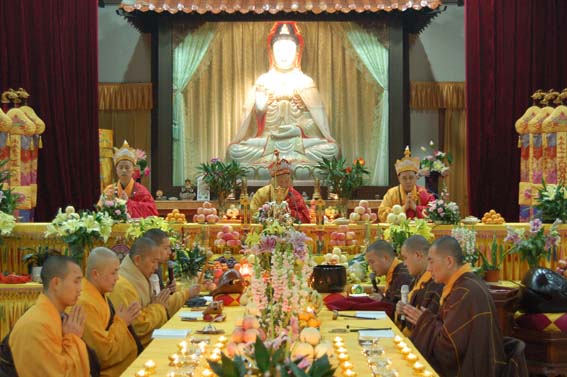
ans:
x=7 y=223
x=552 y=202
x=467 y=240
x=139 y=227
x=344 y=179
x=8 y=201
x=141 y=169
x=443 y=211
x=534 y=244
x=221 y=176
x=397 y=234
x=274 y=212
x=115 y=208
x=435 y=162
x=80 y=229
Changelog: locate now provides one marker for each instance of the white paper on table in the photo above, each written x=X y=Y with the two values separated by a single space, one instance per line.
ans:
x=170 y=334
x=371 y=314
x=371 y=334
x=191 y=316
x=208 y=299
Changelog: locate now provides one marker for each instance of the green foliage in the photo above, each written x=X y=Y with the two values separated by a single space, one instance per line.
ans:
x=8 y=199
x=270 y=362
x=188 y=263
x=37 y=257
x=221 y=176
x=552 y=202
x=344 y=179
x=497 y=255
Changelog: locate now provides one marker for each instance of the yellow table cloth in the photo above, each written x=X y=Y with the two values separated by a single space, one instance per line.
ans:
x=159 y=349
x=15 y=299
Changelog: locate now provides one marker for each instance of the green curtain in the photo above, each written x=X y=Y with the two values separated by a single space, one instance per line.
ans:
x=374 y=56
x=187 y=57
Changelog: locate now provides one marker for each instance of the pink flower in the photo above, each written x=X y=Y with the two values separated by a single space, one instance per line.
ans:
x=140 y=154
x=136 y=173
x=535 y=225
x=109 y=203
x=440 y=210
x=118 y=212
x=147 y=171
x=430 y=158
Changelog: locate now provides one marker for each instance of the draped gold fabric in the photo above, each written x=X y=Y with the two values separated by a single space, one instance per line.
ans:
x=15 y=299
x=238 y=56
x=125 y=96
x=437 y=95
x=448 y=98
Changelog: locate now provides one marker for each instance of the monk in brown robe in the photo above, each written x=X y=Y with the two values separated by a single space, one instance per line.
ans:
x=464 y=338
x=382 y=259
x=424 y=291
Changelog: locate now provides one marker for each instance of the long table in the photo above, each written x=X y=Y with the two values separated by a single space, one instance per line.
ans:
x=159 y=349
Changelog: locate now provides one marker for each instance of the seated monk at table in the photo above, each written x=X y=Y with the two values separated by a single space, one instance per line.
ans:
x=382 y=260
x=45 y=341
x=424 y=291
x=408 y=194
x=139 y=201
x=178 y=297
x=281 y=180
x=108 y=330
x=464 y=338
x=134 y=286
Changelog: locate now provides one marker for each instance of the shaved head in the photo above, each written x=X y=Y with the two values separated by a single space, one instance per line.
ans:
x=56 y=266
x=381 y=248
x=142 y=246
x=99 y=257
x=417 y=243
x=449 y=246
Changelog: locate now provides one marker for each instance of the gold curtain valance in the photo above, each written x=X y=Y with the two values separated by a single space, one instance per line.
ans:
x=125 y=96
x=437 y=95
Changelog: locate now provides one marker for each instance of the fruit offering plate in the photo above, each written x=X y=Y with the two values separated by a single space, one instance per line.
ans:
x=470 y=220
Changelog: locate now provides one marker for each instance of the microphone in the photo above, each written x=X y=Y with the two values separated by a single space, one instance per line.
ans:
x=404 y=291
x=170 y=273
x=372 y=277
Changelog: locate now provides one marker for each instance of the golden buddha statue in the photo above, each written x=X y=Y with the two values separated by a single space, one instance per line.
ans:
x=284 y=111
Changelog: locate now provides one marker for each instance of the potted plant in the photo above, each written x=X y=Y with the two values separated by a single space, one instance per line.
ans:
x=491 y=268
x=534 y=244
x=344 y=179
x=36 y=259
x=552 y=202
x=188 y=262
x=221 y=178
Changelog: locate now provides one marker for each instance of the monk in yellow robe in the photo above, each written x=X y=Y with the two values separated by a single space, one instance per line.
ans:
x=382 y=260
x=107 y=330
x=134 y=286
x=424 y=291
x=412 y=197
x=178 y=297
x=46 y=342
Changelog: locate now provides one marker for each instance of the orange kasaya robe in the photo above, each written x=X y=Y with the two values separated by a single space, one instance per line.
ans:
x=396 y=195
x=39 y=347
x=115 y=346
x=140 y=202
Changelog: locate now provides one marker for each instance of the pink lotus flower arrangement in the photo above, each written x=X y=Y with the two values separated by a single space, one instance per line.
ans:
x=435 y=162
x=141 y=169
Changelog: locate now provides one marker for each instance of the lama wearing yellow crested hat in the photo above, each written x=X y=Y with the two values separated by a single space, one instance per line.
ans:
x=139 y=201
x=407 y=197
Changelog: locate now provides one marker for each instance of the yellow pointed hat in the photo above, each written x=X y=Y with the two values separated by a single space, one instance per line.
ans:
x=124 y=153
x=408 y=163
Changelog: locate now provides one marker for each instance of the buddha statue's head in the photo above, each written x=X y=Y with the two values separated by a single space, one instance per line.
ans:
x=286 y=44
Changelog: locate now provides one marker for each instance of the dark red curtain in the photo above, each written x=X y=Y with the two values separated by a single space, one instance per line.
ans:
x=513 y=47
x=50 y=48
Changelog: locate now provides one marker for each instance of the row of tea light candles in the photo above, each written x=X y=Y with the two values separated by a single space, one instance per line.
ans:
x=175 y=359
x=411 y=357
x=342 y=355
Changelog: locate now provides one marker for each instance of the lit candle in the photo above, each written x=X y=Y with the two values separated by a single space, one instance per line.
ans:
x=170 y=374
x=411 y=357
x=150 y=366
x=397 y=339
x=405 y=351
x=219 y=345
x=339 y=344
x=338 y=339
x=418 y=366
x=214 y=357
x=346 y=365
x=173 y=357
x=216 y=351
x=206 y=373
x=350 y=373
x=343 y=357
x=173 y=360
x=202 y=346
x=141 y=373
x=427 y=374
x=182 y=344
x=223 y=339
x=341 y=350
x=402 y=345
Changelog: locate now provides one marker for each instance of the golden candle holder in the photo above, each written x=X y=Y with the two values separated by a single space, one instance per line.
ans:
x=418 y=367
x=412 y=358
x=346 y=365
x=223 y=339
x=141 y=373
x=349 y=373
x=401 y=345
x=405 y=351
x=150 y=367
x=343 y=357
x=398 y=339
x=341 y=350
x=207 y=373
x=427 y=373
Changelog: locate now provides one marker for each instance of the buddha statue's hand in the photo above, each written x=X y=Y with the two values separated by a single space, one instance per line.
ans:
x=287 y=131
x=262 y=99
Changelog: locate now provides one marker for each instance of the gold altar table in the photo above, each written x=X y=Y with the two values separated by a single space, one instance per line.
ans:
x=15 y=299
x=26 y=237
x=159 y=349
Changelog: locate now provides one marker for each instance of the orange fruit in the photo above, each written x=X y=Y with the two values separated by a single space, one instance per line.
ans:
x=303 y=316
x=313 y=322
